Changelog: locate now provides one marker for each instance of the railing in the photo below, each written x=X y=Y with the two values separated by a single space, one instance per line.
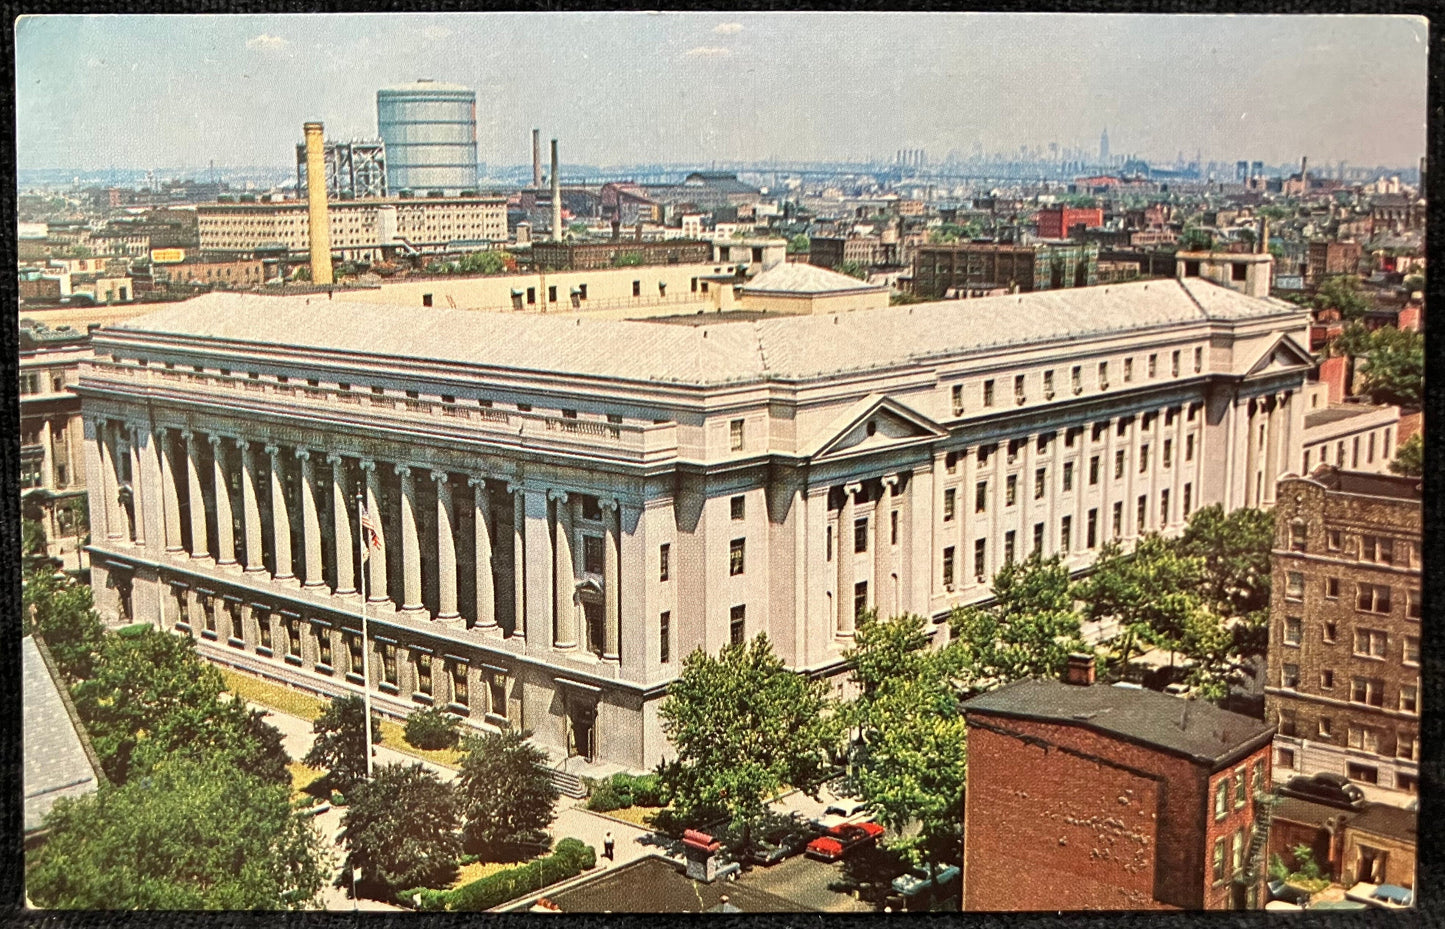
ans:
x=653 y=441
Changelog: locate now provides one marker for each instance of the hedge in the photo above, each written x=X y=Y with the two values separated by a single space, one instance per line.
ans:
x=570 y=858
x=624 y=790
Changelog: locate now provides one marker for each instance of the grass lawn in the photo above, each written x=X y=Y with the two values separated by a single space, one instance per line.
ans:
x=480 y=869
x=641 y=815
x=273 y=696
x=393 y=737
x=302 y=777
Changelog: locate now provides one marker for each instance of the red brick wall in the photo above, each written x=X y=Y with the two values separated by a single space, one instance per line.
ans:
x=1055 y=223
x=1236 y=818
x=1332 y=372
x=1071 y=834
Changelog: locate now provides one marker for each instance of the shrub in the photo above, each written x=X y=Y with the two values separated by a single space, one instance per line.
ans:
x=570 y=858
x=431 y=729
x=624 y=790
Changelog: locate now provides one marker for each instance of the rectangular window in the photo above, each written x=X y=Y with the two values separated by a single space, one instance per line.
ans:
x=552 y=294
x=531 y=295
x=735 y=435
x=1093 y=470
x=980 y=551
x=636 y=288
x=1164 y=507
x=1221 y=798
x=1189 y=447
x=1071 y=436
x=592 y=554
x=1362 y=739
x=1367 y=690
x=957 y=393
x=1328 y=631
x=1128 y=370
x=1011 y=486
x=1097 y=433
x=1103 y=375
x=1019 y=397
x=1371 y=643
x=828 y=543
x=461 y=687
x=950 y=462
x=1188 y=499
x=1377 y=549
x=664 y=635
x=737 y=507
x=1043 y=443
x=735 y=556
x=1049 y=385
x=1407 y=746
x=1372 y=598
x=1066 y=529
x=497 y=694
x=948 y=504
x=1153 y=364
x=1293 y=630
x=860 y=598
x=1236 y=851
x=738 y=625
x=423 y=673
x=664 y=553
x=1168 y=456
x=1144 y=458
x=1413 y=606
x=980 y=496
x=1091 y=539
x=1241 y=789
x=1327 y=679
x=1289 y=676
x=1040 y=481
x=1198 y=360
x=860 y=535
x=1174 y=364
x=1219 y=873
x=1141 y=513
x=893 y=528
x=1294 y=585
x=983 y=452
x=1410 y=654
x=1076 y=379
x=1038 y=539
x=1068 y=476
x=388 y=663
x=988 y=392
x=1008 y=547
x=1118 y=518
x=1014 y=446
x=1119 y=464
x=1409 y=698
x=1284 y=758
x=353 y=653
x=293 y=638
x=323 y=645
x=948 y=566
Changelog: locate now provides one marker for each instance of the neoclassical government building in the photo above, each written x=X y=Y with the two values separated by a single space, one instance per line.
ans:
x=569 y=506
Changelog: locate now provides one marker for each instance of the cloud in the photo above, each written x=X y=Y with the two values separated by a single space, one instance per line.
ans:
x=706 y=51
x=728 y=28
x=266 y=43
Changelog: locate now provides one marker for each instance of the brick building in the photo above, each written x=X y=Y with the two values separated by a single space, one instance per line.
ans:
x=584 y=256
x=1326 y=258
x=1108 y=797
x=978 y=267
x=1059 y=222
x=831 y=251
x=1344 y=653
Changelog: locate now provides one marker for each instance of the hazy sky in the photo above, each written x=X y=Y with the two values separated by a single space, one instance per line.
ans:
x=143 y=91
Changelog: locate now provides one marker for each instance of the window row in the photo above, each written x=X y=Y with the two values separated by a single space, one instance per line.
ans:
x=1051 y=380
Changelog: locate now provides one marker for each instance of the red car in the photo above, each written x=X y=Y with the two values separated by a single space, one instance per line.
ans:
x=842 y=839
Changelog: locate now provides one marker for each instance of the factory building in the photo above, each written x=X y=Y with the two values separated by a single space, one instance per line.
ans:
x=569 y=506
x=354 y=170
x=430 y=133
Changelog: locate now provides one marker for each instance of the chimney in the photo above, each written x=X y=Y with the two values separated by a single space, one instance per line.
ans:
x=1304 y=172
x=556 y=197
x=319 y=221
x=537 y=159
x=1080 y=669
x=1262 y=246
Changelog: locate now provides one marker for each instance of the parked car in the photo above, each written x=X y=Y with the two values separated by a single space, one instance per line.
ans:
x=841 y=811
x=1330 y=789
x=916 y=879
x=778 y=843
x=843 y=840
x=1287 y=893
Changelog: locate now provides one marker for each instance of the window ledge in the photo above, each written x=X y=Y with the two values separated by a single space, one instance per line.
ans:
x=322 y=669
x=423 y=699
x=235 y=642
x=461 y=709
x=353 y=678
x=183 y=626
x=293 y=660
x=208 y=634
x=264 y=652
x=495 y=720
x=388 y=688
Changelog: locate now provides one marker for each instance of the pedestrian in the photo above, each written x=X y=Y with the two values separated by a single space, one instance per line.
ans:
x=608 y=846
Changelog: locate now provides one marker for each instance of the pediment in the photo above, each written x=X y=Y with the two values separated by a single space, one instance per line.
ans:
x=872 y=424
x=1284 y=356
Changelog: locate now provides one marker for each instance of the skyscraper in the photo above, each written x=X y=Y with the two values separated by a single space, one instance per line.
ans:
x=1104 y=146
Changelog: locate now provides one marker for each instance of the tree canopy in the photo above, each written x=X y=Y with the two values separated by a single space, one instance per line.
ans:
x=1235 y=550
x=1030 y=628
x=799 y=243
x=1410 y=457
x=744 y=726
x=340 y=746
x=192 y=835
x=1342 y=292
x=1394 y=367
x=60 y=612
x=505 y=792
x=400 y=829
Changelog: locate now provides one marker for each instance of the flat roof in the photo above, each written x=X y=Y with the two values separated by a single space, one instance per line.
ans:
x=1367 y=484
x=1195 y=729
x=56 y=763
x=783 y=348
x=1336 y=413
x=1385 y=820
x=657 y=885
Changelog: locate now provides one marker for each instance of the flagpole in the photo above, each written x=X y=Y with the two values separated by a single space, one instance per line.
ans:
x=363 y=554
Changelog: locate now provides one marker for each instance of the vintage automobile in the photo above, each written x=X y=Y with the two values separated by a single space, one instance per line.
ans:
x=780 y=842
x=915 y=879
x=1330 y=789
x=843 y=839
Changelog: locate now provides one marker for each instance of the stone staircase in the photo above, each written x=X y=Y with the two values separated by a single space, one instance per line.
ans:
x=567 y=783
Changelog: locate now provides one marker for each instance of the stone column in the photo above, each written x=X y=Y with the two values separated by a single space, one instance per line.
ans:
x=482 y=550
x=376 y=560
x=310 y=522
x=110 y=479
x=170 y=495
x=410 y=543
x=446 y=551
x=200 y=543
x=519 y=560
x=341 y=527
x=884 y=562
x=47 y=464
x=138 y=501
x=846 y=557
x=564 y=577
x=250 y=509
x=1251 y=446
x=280 y=518
x=225 y=532
x=611 y=582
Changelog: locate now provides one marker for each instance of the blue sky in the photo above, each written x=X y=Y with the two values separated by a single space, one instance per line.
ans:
x=164 y=91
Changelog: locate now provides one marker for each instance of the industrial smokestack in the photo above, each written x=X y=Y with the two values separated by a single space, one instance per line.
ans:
x=319 y=221
x=556 y=197
x=537 y=159
x=1262 y=246
x=1304 y=172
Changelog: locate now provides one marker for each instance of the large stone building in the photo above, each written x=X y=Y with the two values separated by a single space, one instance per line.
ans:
x=569 y=505
x=360 y=229
x=1344 y=652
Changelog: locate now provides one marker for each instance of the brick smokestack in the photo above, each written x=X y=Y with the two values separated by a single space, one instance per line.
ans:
x=319 y=220
x=556 y=197
x=1080 y=669
x=537 y=159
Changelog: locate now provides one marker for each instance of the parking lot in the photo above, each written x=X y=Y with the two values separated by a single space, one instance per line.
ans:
x=812 y=885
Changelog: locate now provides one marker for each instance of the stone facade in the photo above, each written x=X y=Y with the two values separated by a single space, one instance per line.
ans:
x=568 y=506
x=1344 y=655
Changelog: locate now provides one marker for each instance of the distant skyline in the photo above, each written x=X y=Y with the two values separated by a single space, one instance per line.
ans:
x=95 y=92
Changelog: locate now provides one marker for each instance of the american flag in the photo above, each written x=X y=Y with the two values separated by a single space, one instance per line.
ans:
x=369 y=532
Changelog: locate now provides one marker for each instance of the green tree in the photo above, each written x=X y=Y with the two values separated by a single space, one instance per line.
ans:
x=744 y=726
x=431 y=728
x=1394 y=369
x=1195 y=239
x=1235 y=548
x=400 y=829
x=60 y=612
x=853 y=269
x=1153 y=591
x=340 y=745
x=483 y=263
x=1410 y=457
x=1414 y=283
x=909 y=761
x=190 y=836
x=1028 y=631
x=505 y=791
x=799 y=243
x=1342 y=292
